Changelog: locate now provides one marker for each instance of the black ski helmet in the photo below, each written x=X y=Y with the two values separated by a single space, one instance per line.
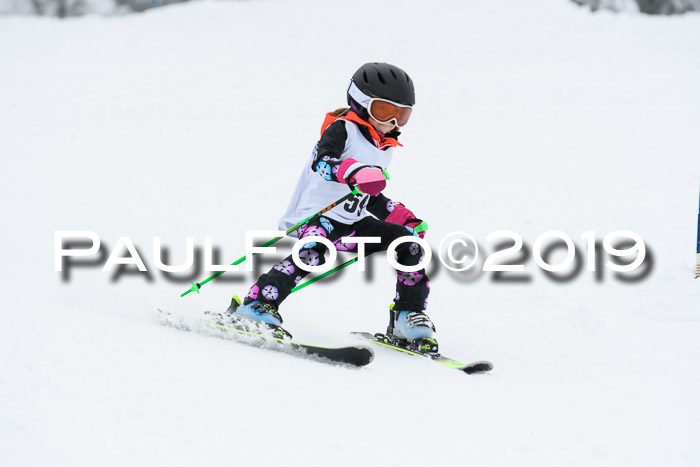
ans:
x=385 y=81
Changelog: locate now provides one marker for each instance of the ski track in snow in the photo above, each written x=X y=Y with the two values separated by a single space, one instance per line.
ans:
x=195 y=120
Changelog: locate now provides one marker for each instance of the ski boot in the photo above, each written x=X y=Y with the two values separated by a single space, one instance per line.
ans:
x=412 y=330
x=262 y=312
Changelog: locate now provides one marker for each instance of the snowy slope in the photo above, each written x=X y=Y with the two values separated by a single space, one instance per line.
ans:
x=194 y=120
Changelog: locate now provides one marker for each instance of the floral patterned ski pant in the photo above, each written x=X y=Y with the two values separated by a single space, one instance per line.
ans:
x=412 y=288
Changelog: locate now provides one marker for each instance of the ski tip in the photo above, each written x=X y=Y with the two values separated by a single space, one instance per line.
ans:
x=358 y=355
x=368 y=357
x=478 y=367
x=370 y=354
x=352 y=355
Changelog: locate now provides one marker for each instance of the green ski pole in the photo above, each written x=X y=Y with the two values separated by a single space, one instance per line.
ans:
x=321 y=276
x=198 y=285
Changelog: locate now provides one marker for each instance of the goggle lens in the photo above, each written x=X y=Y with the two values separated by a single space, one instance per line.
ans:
x=384 y=111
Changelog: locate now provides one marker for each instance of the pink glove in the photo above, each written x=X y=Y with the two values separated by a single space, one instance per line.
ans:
x=369 y=180
x=402 y=215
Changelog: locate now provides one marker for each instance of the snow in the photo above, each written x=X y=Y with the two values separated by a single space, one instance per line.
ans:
x=195 y=119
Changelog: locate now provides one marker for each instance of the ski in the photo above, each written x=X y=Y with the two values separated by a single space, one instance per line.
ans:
x=425 y=349
x=244 y=331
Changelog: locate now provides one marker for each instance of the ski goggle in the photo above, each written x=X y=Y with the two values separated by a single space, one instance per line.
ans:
x=384 y=111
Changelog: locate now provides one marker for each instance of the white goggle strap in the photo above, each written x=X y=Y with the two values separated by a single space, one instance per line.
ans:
x=359 y=96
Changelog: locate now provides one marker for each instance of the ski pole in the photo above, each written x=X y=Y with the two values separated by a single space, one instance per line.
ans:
x=321 y=276
x=198 y=285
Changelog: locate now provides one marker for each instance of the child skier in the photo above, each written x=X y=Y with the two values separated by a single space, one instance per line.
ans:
x=355 y=148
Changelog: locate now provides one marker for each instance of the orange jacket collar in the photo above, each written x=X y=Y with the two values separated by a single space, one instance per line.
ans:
x=381 y=143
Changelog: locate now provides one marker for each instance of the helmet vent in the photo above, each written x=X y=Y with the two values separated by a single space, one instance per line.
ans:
x=364 y=77
x=381 y=78
x=392 y=73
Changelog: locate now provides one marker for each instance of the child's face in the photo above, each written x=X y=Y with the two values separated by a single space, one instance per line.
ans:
x=382 y=127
